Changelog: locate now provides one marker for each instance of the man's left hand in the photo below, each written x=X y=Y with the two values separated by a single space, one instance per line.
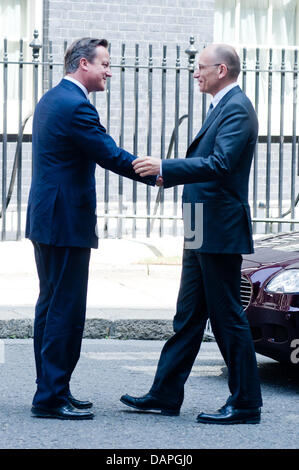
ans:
x=147 y=166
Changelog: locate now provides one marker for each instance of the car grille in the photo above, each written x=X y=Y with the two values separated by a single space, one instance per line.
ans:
x=246 y=292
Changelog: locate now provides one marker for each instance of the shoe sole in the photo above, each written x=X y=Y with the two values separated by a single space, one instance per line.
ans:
x=163 y=412
x=41 y=414
x=239 y=421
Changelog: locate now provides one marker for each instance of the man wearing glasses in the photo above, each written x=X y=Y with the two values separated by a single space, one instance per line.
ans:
x=215 y=173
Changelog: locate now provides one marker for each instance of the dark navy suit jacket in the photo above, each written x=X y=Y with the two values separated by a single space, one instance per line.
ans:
x=216 y=173
x=68 y=141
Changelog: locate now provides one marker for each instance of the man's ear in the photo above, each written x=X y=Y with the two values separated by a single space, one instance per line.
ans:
x=223 y=70
x=83 y=64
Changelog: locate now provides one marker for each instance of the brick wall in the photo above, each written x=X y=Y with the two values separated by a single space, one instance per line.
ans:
x=144 y=21
x=155 y=22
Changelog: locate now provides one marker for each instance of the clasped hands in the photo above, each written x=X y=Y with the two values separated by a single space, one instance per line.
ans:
x=147 y=166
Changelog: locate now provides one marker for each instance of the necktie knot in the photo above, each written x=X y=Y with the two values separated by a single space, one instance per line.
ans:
x=210 y=109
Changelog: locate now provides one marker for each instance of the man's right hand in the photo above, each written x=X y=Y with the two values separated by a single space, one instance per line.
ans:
x=147 y=166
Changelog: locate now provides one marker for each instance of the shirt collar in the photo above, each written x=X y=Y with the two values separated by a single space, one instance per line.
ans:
x=221 y=93
x=79 y=84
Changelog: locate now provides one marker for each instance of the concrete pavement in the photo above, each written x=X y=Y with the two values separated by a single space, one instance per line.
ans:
x=133 y=286
x=109 y=368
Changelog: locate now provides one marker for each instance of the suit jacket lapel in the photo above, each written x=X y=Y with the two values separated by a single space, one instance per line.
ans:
x=215 y=113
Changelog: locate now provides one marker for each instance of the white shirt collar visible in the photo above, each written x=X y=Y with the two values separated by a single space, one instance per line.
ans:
x=79 y=84
x=221 y=93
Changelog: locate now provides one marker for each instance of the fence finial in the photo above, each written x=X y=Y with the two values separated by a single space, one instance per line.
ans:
x=36 y=45
x=191 y=51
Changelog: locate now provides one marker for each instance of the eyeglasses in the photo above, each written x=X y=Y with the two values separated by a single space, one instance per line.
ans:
x=202 y=67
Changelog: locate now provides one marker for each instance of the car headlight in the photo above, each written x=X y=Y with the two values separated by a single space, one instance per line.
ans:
x=286 y=282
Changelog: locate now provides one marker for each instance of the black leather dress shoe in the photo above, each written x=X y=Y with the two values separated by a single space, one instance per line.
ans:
x=149 y=403
x=230 y=415
x=63 y=412
x=82 y=405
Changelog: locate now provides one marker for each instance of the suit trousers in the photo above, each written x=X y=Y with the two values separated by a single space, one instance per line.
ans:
x=210 y=288
x=59 y=319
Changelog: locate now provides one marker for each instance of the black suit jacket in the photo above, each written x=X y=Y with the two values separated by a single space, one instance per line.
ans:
x=216 y=173
x=68 y=141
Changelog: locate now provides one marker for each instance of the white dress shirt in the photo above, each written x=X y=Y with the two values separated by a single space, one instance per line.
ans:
x=221 y=94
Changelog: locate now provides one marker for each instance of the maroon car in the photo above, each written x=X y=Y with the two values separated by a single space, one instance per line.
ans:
x=270 y=295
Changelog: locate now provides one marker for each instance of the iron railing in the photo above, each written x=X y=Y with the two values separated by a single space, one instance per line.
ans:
x=149 y=108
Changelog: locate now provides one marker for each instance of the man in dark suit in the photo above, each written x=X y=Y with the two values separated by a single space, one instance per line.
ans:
x=68 y=141
x=215 y=173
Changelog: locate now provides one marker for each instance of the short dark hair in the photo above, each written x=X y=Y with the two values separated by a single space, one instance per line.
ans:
x=85 y=47
x=227 y=55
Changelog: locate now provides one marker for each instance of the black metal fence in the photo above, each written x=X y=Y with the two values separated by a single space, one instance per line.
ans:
x=152 y=107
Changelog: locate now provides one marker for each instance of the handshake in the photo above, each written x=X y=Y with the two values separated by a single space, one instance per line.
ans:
x=147 y=166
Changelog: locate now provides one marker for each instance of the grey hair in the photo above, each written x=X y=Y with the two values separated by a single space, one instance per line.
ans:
x=85 y=47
